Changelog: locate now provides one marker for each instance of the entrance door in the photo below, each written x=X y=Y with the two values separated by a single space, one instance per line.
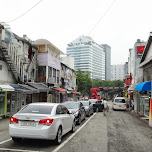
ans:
x=2 y=103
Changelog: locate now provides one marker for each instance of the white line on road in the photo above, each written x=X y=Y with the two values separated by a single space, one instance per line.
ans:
x=68 y=139
x=19 y=150
x=5 y=141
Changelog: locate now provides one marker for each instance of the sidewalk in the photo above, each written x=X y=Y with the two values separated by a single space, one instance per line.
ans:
x=4 y=123
x=139 y=116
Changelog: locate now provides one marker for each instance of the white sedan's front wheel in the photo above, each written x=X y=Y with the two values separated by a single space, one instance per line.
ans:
x=58 y=136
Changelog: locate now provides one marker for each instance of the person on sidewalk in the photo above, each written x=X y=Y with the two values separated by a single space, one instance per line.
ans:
x=105 y=106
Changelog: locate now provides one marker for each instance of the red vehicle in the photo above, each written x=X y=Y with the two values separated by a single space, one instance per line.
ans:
x=94 y=93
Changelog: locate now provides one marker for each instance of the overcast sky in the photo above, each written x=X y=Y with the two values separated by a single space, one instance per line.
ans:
x=62 y=21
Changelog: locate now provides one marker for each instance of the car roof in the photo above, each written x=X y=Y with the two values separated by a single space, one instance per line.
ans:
x=93 y=99
x=69 y=102
x=44 y=103
x=83 y=101
x=119 y=98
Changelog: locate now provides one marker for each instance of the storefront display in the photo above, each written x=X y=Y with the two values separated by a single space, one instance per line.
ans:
x=2 y=104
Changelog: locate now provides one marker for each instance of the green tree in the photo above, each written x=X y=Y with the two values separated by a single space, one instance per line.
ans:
x=83 y=81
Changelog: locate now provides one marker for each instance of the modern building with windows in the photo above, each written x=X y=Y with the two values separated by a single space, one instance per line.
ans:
x=107 y=50
x=117 y=72
x=88 y=56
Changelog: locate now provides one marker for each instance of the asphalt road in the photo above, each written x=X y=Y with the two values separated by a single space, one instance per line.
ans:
x=119 y=131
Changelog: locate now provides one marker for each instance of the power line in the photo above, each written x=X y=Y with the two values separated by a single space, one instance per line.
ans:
x=24 y=13
x=102 y=16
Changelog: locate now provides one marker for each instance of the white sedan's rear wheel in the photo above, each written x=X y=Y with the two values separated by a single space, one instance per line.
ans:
x=16 y=139
x=58 y=136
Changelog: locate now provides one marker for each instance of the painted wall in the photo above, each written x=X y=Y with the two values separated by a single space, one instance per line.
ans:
x=6 y=76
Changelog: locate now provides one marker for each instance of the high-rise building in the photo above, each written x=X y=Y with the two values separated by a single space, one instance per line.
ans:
x=88 y=56
x=117 y=72
x=107 y=50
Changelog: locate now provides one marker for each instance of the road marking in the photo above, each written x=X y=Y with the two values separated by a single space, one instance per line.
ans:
x=5 y=141
x=68 y=139
x=19 y=150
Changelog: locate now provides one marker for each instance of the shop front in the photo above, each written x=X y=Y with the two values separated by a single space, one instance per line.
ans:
x=144 y=97
x=6 y=93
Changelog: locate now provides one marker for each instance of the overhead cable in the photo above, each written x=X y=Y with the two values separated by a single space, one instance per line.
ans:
x=102 y=16
x=24 y=13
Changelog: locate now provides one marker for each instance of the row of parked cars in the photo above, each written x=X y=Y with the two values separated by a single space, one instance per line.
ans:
x=50 y=121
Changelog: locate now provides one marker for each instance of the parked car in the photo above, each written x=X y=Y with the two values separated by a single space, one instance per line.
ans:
x=119 y=103
x=48 y=121
x=88 y=107
x=77 y=109
x=97 y=105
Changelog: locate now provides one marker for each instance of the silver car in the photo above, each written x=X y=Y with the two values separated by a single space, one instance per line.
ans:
x=119 y=103
x=48 y=121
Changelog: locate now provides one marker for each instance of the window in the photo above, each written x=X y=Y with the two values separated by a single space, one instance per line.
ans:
x=120 y=100
x=65 y=110
x=37 y=109
x=59 y=110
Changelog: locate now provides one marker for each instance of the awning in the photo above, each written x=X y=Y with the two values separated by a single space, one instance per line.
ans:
x=40 y=86
x=144 y=86
x=18 y=88
x=23 y=86
x=69 y=91
x=4 y=87
x=25 y=91
x=61 y=90
x=75 y=92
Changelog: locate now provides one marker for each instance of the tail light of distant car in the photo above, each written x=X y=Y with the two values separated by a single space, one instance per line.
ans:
x=13 y=120
x=115 y=104
x=46 y=122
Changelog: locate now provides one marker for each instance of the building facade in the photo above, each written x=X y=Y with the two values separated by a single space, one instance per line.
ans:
x=107 y=50
x=88 y=56
x=117 y=72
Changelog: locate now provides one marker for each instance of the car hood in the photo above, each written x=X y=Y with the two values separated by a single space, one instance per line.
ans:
x=86 y=107
x=73 y=110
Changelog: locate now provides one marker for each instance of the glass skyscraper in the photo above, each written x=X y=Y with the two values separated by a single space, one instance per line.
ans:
x=88 y=56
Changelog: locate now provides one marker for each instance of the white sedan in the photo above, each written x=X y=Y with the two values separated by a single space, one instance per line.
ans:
x=48 y=121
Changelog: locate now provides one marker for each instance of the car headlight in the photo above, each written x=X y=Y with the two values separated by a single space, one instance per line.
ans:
x=76 y=114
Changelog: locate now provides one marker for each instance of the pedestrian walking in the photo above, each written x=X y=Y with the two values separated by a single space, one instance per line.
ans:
x=104 y=102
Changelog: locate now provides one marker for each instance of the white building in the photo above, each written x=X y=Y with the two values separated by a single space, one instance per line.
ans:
x=117 y=72
x=88 y=56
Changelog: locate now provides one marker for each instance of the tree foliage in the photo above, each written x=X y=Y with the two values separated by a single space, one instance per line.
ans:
x=84 y=82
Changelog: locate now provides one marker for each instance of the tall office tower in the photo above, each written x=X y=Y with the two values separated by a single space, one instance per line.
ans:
x=88 y=56
x=117 y=72
x=107 y=50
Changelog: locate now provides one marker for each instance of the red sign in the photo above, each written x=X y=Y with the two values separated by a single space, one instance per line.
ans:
x=140 y=49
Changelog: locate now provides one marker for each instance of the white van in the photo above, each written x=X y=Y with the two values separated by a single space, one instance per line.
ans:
x=119 y=103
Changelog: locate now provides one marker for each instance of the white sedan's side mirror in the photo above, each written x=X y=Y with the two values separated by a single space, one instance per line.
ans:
x=69 y=112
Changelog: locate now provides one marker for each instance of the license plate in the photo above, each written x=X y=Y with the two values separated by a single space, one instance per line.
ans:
x=119 y=106
x=28 y=123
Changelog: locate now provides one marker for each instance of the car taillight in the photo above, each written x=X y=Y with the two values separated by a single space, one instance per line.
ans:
x=47 y=122
x=12 y=120
x=115 y=104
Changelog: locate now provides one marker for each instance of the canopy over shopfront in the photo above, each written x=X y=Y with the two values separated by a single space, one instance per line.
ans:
x=61 y=90
x=18 y=88
x=27 y=87
x=41 y=87
x=144 y=86
x=6 y=88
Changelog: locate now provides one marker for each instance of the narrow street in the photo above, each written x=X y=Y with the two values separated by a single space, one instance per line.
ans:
x=119 y=131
